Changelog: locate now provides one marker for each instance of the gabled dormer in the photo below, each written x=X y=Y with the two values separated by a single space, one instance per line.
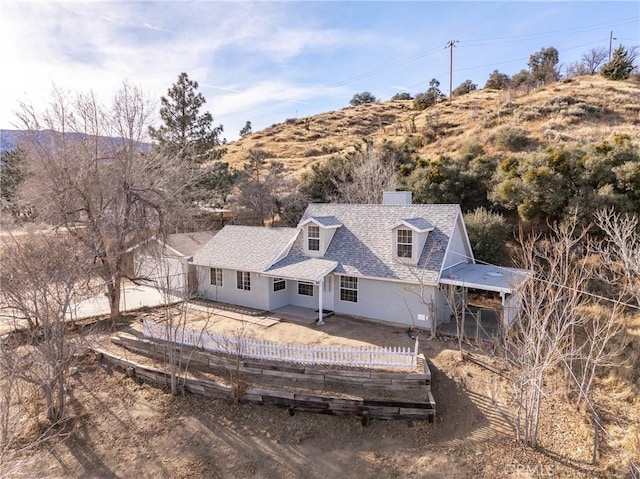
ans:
x=408 y=237
x=317 y=232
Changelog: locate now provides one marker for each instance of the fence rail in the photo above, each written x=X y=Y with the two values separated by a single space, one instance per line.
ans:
x=391 y=357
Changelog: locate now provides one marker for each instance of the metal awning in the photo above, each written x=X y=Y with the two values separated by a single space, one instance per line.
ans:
x=484 y=277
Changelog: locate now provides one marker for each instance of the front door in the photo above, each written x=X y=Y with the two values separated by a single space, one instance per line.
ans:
x=327 y=293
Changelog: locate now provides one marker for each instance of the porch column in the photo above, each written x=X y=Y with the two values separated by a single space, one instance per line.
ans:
x=320 y=315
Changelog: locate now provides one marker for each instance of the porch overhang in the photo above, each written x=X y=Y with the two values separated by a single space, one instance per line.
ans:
x=312 y=270
x=484 y=277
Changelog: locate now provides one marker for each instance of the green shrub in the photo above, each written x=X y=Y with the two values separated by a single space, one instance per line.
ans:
x=488 y=234
x=509 y=138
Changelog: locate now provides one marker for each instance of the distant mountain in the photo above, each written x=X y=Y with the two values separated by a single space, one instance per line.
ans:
x=11 y=139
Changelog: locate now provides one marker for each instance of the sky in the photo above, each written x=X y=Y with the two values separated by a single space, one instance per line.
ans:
x=266 y=62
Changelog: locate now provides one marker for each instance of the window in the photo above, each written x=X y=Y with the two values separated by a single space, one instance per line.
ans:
x=404 y=243
x=279 y=284
x=349 y=289
x=216 y=276
x=305 y=289
x=313 y=236
x=243 y=279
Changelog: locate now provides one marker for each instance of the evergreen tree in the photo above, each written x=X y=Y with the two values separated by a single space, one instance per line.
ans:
x=497 y=81
x=186 y=131
x=543 y=65
x=11 y=174
x=361 y=98
x=620 y=66
x=465 y=87
x=246 y=129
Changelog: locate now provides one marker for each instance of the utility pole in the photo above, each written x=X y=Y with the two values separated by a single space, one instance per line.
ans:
x=611 y=38
x=451 y=44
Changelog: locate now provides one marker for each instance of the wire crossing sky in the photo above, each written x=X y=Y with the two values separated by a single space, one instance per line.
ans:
x=269 y=61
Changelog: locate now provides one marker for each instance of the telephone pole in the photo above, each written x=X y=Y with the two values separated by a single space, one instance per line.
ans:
x=611 y=38
x=451 y=44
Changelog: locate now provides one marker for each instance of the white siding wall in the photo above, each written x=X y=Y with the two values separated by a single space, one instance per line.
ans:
x=257 y=298
x=458 y=247
x=391 y=301
x=382 y=300
x=278 y=299
x=301 y=300
x=163 y=272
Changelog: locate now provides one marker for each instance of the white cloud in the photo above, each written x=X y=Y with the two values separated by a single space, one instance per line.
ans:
x=82 y=46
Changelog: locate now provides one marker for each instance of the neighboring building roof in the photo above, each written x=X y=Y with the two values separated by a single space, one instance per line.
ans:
x=363 y=245
x=248 y=248
x=189 y=244
x=485 y=277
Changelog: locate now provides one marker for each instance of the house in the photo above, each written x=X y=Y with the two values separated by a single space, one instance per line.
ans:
x=392 y=262
x=166 y=263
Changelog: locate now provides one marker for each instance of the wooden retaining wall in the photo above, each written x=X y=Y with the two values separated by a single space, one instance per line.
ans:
x=278 y=373
x=295 y=396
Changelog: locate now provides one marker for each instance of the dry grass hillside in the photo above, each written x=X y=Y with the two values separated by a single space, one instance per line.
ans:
x=572 y=112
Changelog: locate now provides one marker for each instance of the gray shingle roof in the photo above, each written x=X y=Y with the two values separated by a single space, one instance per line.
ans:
x=189 y=244
x=247 y=248
x=418 y=223
x=326 y=221
x=296 y=267
x=363 y=245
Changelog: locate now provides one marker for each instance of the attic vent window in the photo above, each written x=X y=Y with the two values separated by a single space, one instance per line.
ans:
x=313 y=236
x=404 y=243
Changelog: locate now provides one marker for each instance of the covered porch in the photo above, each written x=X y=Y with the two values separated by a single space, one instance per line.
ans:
x=306 y=271
x=479 y=322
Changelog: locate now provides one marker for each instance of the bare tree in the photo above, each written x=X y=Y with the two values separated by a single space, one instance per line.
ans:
x=90 y=173
x=550 y=303
x=594 y=59
x=261 y=187
x=562 y=325
x=42 y=277
x=620 y=249
x=369 y=176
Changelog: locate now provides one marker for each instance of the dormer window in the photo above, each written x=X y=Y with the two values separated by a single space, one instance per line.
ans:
x=313 y=238
x=318 y=232
x=404 y=243
x=408 y=237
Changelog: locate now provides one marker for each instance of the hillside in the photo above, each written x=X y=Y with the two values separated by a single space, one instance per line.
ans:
x=572 y=112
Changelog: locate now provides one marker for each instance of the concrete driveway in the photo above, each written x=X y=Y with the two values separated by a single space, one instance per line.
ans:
x=133 y=297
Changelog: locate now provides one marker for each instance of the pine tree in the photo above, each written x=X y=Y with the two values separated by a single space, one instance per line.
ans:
x=620 y=66
x=186 y=131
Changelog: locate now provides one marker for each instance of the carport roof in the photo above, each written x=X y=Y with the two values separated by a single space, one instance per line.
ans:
x=485 y=277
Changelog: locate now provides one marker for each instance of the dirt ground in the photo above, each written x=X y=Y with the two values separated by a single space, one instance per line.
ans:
x=119 y=428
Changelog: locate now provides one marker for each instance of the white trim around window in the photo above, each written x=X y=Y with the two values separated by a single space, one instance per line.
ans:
x=243 y=280
x=305 y=288
x=215 y=277
x=349 y=289
x=404 y=243
x=313 y=238
x=279 y=284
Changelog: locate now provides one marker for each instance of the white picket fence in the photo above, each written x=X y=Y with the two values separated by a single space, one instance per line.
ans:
x=390 y=357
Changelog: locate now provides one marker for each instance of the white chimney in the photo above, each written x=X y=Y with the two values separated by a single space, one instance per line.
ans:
x=396 y=198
